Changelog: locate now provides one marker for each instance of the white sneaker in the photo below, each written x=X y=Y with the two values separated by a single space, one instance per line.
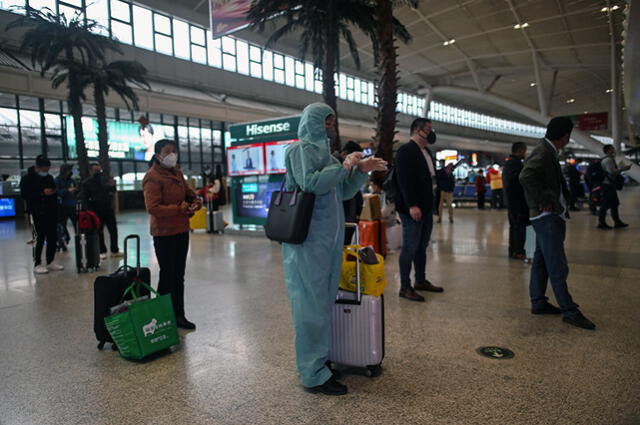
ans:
x=53 y=267
x=103 y=256
x=40 y=269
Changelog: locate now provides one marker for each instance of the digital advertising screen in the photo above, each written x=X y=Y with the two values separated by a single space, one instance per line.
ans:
x=245 y=160
x=274 y=154
x=7 y=207
x=253 y=198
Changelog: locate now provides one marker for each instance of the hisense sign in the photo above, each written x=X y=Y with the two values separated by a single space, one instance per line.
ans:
x=285 y=128
x=259 y=130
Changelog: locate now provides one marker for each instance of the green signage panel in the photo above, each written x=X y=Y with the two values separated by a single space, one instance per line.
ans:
x=265 y=131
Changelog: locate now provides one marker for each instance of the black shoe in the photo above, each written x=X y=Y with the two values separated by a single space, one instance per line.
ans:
x=185 y=324
x=427 y=286
x=331 y=387
x=411 y=295
x=548 y=308
x=579 y=321
x=604 y=226
x=336 y=373
x=620 y=224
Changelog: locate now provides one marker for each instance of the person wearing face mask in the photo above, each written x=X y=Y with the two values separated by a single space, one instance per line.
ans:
x=170 y=202
x=416 y=181
x=67 y=189
x=312 y=268
x=97 y=195
x=38 y=189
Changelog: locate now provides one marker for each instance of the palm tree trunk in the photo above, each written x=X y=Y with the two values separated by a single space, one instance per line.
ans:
x=103 y=136
x=332 y=41
x=388 y=84
x=75 y=107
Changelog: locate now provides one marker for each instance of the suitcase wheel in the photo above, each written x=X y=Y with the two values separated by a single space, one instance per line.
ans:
x=373 y=371
x=100 y=345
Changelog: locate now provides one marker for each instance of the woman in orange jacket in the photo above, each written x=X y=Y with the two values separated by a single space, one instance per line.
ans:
x=170 y=202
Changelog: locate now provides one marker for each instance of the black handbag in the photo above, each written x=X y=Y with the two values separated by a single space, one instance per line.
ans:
x=289 y=215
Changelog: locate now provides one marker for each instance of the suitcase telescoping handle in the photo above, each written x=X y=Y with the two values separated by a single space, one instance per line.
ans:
x=358 y=299
x=126 y=252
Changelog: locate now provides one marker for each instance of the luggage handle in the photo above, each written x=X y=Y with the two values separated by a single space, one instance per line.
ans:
x=358 y=299
x=126 y=253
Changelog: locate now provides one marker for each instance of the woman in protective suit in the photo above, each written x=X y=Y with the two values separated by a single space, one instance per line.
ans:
x=312 y=269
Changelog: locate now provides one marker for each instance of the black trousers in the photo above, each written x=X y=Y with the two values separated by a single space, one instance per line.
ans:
x=517 y=232
x=46 y=230
x=66 y=213
x=108 y=219
x=171 y=252
x=481 y=200
x=609 y=202
x=497 y=200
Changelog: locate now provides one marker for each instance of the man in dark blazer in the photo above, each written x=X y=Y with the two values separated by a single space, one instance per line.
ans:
x=546 y=193
x=415 y=178
x=516 y=203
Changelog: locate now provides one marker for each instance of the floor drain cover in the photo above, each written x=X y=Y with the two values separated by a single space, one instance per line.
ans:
x=496 y=352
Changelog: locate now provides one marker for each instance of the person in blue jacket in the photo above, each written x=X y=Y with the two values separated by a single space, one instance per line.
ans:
x=312 y=268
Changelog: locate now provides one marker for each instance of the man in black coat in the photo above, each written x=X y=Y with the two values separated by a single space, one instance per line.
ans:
x=38 y=189
x=97 y=195
x=415 y=180
x=516 y=202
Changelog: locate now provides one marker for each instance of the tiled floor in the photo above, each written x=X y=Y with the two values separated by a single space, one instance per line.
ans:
x=238 y=367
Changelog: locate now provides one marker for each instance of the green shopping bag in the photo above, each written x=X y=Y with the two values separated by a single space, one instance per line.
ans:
x=148 y=326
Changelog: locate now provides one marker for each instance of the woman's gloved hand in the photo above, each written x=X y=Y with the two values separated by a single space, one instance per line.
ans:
x=351 y=160
x=372 y=164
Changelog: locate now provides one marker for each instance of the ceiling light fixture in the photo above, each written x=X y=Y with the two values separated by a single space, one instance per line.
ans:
x=532 y=85
x=609 y=91
x=609 y=9
x=571 y=100
x=449 y=42
x=520 y=26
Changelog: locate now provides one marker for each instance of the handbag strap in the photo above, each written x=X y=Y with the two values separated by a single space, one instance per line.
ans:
x=294 y=197
x=132 y=288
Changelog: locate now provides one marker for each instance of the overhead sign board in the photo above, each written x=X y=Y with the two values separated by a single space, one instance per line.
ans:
x=269 y=130
x=228 y=16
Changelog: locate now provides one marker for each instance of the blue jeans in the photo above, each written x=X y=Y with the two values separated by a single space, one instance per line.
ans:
x=415 y=238
x=550 y=263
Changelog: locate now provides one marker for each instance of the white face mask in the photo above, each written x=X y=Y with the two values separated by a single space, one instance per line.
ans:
x=170 y=160
x=43 y=173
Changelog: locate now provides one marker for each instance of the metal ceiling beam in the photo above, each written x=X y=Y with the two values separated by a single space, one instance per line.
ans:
x=495 y=80
x=517 y=52
x=510 y=28
x=508 y=70
x=200 y=3
x=536 y=58
x=444 y=38
x=553 y=89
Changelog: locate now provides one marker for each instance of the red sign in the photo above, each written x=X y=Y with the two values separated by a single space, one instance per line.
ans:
x=591 y=122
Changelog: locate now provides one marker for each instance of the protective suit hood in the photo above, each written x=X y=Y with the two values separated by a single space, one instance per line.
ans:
x=311 y=128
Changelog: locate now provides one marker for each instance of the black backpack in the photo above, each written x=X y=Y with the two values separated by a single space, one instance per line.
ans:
x=390 y=185
x=595 y=174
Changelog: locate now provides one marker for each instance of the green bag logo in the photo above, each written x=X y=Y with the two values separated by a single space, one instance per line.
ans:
x=150 y=328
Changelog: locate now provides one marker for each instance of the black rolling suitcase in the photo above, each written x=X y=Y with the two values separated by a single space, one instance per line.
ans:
x=87 y=246
x=108 y=290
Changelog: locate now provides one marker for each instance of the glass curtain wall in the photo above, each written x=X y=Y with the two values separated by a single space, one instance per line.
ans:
x=33 y=126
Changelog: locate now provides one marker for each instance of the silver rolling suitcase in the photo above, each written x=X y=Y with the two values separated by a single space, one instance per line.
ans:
x=215 y=220
x=357 y=329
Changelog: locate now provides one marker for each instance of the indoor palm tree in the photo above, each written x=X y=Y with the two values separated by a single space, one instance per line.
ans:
x=116 y=76
x=388 y=29
x=321 y=24
x=57 y=42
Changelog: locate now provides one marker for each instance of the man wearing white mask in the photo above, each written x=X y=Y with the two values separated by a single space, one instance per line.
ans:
x=170 y=202
x=38 y=189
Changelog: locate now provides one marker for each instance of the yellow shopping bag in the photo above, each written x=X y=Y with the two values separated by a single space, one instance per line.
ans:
x=372 y=278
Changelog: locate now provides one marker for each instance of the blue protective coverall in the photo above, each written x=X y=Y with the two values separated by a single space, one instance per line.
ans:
x=312 y=269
